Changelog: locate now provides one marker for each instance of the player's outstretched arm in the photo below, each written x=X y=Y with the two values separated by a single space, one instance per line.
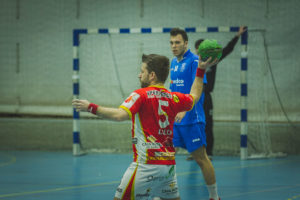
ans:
x=197 y=86
x=116 y=114
x=231 y=44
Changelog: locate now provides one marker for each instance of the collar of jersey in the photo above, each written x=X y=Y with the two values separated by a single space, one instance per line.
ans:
x=157 y=86
x=184 y=55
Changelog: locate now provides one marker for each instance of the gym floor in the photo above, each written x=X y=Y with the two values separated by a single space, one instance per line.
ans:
x=32 y=175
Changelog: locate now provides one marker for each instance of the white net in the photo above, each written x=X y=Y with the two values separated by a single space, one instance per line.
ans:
x=109 y=66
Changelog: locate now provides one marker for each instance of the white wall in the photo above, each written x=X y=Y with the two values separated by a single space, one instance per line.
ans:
x=43 y=29
x=38 y=79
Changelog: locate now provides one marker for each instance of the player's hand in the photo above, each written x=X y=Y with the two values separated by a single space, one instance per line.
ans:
x=241 y=30
x=80 y=105
x=179 y=116
x=207 y=63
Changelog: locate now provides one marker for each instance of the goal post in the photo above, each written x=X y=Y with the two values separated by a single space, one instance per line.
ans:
x=149 y=30
x=244 y=95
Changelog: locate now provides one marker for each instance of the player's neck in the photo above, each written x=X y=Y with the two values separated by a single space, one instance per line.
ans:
x=180 y=57
x=157 y=84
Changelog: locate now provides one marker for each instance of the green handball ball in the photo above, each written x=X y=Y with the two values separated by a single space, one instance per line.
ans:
x=210 y=48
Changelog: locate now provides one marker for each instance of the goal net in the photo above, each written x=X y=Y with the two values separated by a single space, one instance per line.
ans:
x=106 y=65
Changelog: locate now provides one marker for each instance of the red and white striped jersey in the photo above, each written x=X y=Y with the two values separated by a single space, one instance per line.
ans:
x=152 y=111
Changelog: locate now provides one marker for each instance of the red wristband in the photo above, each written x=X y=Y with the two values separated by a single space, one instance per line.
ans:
x=200 y=72
x=93 y=108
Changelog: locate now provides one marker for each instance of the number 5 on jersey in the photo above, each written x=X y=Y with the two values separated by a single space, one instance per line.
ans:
x=163 y=124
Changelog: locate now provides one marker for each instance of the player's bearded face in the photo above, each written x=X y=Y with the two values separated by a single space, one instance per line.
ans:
x=145 y=83
x=144 y=76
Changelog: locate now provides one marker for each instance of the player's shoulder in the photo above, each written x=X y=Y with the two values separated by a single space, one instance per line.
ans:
x=190 y=54
x=195 y=57
x=141 y=91
x=192 y=57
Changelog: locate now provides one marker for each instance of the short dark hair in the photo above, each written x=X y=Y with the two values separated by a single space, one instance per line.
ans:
x=158 y=64
x=198 y=42
x=176 y=31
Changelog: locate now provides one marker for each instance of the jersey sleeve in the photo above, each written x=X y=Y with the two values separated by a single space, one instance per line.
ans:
x=132 y=104
x=185 y=102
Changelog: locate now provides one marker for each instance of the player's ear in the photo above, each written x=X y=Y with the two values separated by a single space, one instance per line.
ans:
x=186 y=43
x=153 y=75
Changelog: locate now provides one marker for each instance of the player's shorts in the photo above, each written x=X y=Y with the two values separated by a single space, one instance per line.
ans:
x=145 y=181
x=190 y=137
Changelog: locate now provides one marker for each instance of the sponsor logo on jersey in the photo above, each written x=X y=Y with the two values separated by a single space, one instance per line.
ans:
x=155 y=178
x=172 y=185
x=165 y=154
x=142 y=196
x=175 y=98
x=131 y=100
x=178 y=82
x=176 y=68
x=134 y=140
x=173 y=189
x=151 y=138
x=196 y=140
x=162 y=178
x=152 y=145
x=172 y=170
x=182 y=67
x=128 y=99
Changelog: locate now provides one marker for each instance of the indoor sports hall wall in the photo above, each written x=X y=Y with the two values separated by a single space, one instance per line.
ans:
x=36 y=68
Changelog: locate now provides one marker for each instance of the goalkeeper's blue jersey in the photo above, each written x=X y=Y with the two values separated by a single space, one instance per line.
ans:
x=182 y=77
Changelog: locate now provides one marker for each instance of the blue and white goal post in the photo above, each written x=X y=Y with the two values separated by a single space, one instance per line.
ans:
x=244 y=67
